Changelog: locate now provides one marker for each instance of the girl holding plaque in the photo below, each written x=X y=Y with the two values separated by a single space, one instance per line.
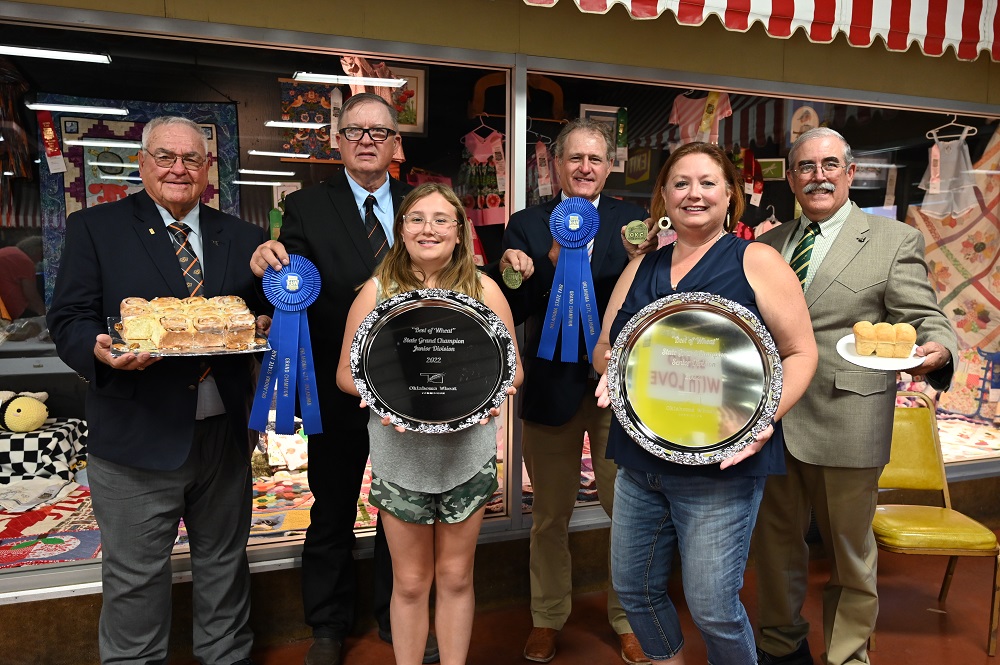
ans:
x=706 y=511
x=431 y=489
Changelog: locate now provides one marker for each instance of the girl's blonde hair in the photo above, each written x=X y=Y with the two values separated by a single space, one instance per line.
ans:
x=396 y=273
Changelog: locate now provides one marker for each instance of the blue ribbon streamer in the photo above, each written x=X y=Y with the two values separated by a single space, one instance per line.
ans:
x=574 y=223
x=288 y=368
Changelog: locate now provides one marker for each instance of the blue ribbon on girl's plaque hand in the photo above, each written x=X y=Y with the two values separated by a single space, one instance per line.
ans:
x=573 y=223
x=289 y=366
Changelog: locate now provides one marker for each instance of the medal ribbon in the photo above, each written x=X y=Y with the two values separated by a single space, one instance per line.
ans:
x=289 y=367
x=573 y=223
x=708 y=117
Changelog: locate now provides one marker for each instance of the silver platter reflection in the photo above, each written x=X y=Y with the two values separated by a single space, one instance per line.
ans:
x=694 y=377
x=434 y=361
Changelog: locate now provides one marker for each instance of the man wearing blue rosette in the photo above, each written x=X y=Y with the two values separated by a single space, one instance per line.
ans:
x=558 y=404
x=344 y=227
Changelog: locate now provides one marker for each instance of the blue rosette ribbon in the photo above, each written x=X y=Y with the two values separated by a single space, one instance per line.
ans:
x=289 y=367
x=572 y=303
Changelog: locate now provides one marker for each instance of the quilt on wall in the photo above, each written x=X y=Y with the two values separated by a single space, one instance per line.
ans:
x=308 y=102
x=82 y=185
x=962 y=253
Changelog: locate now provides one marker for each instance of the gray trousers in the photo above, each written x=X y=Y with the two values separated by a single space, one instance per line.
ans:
x=138 y=512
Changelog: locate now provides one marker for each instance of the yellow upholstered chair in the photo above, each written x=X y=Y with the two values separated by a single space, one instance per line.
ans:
x=916 y=464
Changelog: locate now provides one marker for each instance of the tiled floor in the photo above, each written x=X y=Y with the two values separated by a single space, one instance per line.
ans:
x=912 y=628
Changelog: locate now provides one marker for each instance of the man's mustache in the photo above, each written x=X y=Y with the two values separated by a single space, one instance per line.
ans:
x=813 y=186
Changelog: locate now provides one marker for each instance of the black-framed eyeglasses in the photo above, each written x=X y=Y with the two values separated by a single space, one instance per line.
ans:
x=166 y=160
x=415 y=223
x=376 y=134
x=809 y=168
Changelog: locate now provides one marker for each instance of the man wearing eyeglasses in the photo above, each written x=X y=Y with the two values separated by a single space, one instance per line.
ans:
x=168 y=437
x=344 y=226
x=860 y=267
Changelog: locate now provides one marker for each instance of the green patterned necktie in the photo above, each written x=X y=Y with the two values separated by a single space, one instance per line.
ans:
x=803 y=250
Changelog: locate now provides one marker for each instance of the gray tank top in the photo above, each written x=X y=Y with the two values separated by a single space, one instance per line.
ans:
x=431 y=463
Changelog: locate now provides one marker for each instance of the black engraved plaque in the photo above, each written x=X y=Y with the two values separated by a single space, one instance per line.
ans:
x=433 y=360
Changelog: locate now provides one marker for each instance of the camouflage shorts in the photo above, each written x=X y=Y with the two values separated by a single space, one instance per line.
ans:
x=455 y=505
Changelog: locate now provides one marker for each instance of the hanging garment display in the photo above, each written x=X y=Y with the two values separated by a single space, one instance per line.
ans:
x=698 y=119
x=948 y=180
x=543 y=178
x=478 y=184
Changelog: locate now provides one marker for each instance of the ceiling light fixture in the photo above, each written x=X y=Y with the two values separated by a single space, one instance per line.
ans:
x=130 y=178
x=76 y=108
x=296 y=125
x=255 y=172
x=875 y=165
x=340 y=79
x=291 y=155
x=120 y=165
x=103 y=143
x=99 y=58
x=258 y=182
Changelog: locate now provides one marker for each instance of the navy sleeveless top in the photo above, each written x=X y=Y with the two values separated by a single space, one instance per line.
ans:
x=720 y=271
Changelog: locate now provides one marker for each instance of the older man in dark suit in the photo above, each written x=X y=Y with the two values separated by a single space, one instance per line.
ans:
x=344 y=226
x=853 y=267
x=168 y=437
x=557 y=402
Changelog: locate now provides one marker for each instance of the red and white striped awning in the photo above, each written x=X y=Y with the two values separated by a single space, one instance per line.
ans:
x=968 y=26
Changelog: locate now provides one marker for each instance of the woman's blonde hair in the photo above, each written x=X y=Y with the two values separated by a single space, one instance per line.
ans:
x=396 y=273
x=737 y=204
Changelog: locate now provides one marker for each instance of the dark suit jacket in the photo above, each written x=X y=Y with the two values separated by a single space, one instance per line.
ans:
x=552 y=390
x=875 y=271
x=121 y=249
x=322 y=224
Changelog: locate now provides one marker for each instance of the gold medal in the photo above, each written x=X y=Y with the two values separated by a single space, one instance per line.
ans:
x=511 y=277
x=636 y=232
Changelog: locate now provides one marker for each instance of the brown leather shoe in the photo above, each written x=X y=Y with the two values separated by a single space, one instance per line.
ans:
x=541 y=645
x=632 y=652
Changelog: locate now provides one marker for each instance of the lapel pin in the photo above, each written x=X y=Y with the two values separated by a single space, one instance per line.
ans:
x=215 y=242
x=152 y=232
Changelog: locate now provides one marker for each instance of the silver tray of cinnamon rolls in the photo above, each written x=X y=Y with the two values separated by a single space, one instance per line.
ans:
x=193 y=326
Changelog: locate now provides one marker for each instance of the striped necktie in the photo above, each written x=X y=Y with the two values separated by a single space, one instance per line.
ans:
x=190 y=265
x=376 y=234
x=803 y=251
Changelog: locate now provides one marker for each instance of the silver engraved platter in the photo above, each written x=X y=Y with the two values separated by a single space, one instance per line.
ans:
x=433 y=360
x=694 y=377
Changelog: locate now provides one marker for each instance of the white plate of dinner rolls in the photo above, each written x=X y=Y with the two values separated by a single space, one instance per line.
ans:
x=882 y=345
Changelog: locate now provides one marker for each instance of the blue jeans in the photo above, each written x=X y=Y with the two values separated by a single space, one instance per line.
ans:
x=710 y=521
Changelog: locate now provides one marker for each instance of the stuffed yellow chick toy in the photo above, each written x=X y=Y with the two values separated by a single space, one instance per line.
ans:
x=22 y=412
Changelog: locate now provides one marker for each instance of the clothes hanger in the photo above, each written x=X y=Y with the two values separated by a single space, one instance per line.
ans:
x=540 y=137
x=482 y=131
x=959 y=131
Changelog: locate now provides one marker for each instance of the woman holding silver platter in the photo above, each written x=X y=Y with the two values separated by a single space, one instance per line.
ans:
x=431 y=489
x=705 y=509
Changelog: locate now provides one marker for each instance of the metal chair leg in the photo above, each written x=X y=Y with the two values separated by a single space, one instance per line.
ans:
x=991 y=642
x=948 y=574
